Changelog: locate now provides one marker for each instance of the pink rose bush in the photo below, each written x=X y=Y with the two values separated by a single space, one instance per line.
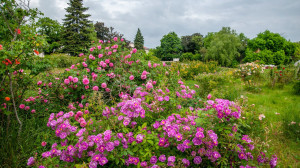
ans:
x=117 y=109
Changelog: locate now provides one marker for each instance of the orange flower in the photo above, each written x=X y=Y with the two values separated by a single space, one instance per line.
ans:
x=7 y=99
x=36 y=52
x=17 y=62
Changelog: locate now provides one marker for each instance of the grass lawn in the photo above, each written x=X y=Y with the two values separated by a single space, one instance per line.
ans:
x=281 y=107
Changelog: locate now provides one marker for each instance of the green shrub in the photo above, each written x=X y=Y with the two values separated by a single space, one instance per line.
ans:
x=62 y=60
x=39 y=65
x=214 y=82
x=296 y=87
x=187 y=56
x=190 y=57
x=150 y=57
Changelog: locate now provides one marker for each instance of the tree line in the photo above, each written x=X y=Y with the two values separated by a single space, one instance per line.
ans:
x=227 y=47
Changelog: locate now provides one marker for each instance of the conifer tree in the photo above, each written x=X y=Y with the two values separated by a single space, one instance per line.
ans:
x=77 y=28
x=139 y=40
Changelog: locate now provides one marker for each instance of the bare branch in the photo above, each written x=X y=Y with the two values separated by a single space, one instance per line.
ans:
x=14 y=103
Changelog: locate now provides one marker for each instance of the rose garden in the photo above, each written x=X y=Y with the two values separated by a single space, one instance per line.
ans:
x=116 y=106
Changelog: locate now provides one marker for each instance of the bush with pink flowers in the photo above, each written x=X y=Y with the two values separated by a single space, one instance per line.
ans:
x=116 y=109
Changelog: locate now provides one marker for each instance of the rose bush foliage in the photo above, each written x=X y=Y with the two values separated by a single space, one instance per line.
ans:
x=117 y=109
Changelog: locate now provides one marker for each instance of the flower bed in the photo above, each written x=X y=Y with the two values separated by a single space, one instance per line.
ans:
x=115 y=109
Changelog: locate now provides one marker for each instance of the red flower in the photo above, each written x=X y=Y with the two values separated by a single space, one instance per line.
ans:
x=17 y=62
x=280 y=74
x=36 y=52
x=6 y=62
x=283 y=68
x=18 y=31
x=1 y=47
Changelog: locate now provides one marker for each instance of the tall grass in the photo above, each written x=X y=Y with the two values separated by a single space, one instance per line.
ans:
x=15 y=150
x=282 y=110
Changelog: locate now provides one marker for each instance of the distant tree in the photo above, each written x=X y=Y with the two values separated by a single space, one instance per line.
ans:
x=170 y=46
x=107 y=33
x=282 y=50
x=192 y=43
x=77 y=32
x=139 y=40
x=223 y=47
x=101 y=30
x=52 y=29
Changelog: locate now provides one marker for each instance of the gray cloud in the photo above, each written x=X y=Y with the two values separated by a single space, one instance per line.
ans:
x=158 y=17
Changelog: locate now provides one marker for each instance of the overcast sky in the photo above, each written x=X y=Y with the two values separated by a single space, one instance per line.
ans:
x=156 y=18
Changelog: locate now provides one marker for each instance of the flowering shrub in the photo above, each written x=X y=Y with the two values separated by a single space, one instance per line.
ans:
x=280 y=76
x=250 y=73
x=120 y=110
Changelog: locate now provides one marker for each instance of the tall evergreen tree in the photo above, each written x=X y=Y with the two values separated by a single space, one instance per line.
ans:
x=77 y=34
x=139 y=40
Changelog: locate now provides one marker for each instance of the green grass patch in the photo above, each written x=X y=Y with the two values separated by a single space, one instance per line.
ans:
x=282 y=123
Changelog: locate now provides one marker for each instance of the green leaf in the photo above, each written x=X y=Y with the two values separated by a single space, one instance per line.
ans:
x=144 y=125
x=130 y=152
x=134 y=142
x=150 y=142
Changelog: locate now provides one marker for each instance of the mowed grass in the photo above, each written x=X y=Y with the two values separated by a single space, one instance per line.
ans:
x=282 y=110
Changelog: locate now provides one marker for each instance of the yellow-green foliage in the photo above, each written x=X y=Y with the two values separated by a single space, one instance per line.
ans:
x=218 y=84
x=189 y=69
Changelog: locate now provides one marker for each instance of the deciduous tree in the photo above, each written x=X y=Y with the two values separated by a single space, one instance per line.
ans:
x=170 y=46
x=223 y=47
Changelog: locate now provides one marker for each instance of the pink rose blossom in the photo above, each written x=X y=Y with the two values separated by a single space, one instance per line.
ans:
x=44 y=143
x=134 y=50
x=85 y=81
x=22 y=106
x=75 y=80
x=27 y=108
x=103 y=85
x=131 y=77
x=95 y=88
x=67 y=81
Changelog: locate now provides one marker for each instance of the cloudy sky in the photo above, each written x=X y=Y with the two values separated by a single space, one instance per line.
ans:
x=156 y=18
